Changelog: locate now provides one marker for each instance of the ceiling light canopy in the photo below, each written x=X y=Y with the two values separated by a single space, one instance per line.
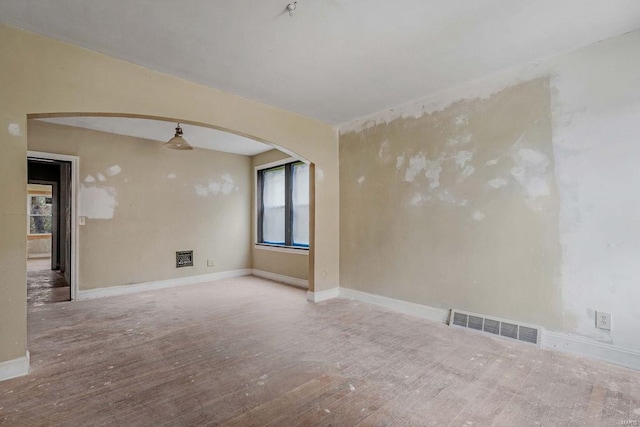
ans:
x=291 y=7
x=178 y=142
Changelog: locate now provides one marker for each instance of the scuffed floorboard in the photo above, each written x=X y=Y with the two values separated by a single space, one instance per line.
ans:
x=248 y=351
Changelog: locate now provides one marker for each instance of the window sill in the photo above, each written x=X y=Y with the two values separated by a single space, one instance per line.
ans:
x=38 y=236
x=285 y=249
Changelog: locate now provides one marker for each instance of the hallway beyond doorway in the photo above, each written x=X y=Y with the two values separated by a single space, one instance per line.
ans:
x=45 y=285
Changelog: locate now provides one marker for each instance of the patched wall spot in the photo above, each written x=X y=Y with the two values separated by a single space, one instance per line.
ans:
x=497 y=183
x=417 y=163
x=14 y=129
x=97 y=202
x=114 y=170
x=478 y=216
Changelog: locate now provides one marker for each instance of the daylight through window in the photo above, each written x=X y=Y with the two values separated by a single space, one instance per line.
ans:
x=283 y=205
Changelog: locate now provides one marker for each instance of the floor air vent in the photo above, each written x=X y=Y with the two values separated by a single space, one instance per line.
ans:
x=503 y=328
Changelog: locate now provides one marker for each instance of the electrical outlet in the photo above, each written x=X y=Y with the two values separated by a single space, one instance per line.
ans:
x=210 y=263
x=603 y=320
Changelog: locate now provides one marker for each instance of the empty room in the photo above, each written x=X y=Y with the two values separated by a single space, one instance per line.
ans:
x=320 y=212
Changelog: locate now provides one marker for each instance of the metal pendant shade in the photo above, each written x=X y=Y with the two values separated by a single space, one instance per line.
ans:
x=178 y=142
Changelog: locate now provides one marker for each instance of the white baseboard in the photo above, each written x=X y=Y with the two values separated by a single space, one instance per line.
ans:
x=293 y=281
x=14 y=368
x=323 y=295
x=405 y=307
x=160 y=284
x=583 y=346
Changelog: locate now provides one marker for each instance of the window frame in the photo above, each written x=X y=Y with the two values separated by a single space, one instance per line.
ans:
x=288 y=164
x=31 y=194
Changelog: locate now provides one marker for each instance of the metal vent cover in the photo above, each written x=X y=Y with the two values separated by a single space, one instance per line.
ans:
x=495 y=326
x=184 y=259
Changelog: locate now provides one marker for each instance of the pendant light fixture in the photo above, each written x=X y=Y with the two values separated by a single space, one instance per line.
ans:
x=178 y=142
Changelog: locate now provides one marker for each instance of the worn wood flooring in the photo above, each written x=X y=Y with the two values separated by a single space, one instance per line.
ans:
x=45 y=285
x=247 y=351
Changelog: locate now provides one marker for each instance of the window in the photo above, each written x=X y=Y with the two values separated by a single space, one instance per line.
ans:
x=40 y=219
x=283 y=205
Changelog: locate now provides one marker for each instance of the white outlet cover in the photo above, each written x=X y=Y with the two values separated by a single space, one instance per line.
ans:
x=603 y=320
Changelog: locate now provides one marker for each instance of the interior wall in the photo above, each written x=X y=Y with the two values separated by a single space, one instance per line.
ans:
x=510 y=196
x=41 y=76
x=457 y=208
x=143 y=202
x=290 y=264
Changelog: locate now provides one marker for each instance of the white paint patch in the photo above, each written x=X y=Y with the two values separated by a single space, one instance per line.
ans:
x=97 y=202
x=114 y=170
x=352 y=388
x=172 y=176
x=463 y=139
x=466 y=173
x=492 y=162
x=224 y=187
x=214 y=188
x=227 y=184
x=89 y=179
x=433 y=168
x=361 y=180
x=497 y=183
x=447 y=197
x=478 y=216
x=400 y=161
x=461 y=120
x=14 y=129
x=101 y=177
x=384 y=153
x=462 y=157
x=201 y=190
x=416 y=165
x=419 y=199
x=319 y=175
x=451 y=142
x=530 y=171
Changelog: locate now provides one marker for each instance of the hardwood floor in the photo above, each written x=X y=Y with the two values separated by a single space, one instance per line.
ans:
x=44 y=285
x=247 y=351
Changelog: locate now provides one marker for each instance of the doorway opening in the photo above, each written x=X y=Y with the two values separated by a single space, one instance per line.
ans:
x=50 y=210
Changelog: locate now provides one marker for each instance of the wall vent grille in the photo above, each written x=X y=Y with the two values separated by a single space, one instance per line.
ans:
x=184 y=259
x=495 y=326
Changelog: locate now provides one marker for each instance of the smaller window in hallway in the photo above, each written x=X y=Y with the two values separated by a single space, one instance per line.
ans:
x=40 y=214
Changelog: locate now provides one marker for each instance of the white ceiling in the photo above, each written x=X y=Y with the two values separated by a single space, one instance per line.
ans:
x=335 y=60
x=158 y=130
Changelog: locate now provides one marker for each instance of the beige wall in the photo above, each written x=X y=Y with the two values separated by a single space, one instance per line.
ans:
x=39 y=248
x=457 y=208
x=41 y=76
x=291 y=264
x=143 y=202
x=538 y=221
